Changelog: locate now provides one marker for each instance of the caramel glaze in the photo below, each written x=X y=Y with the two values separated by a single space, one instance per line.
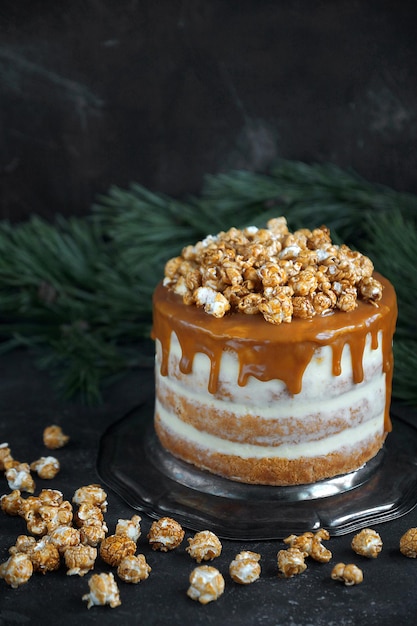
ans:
x=267 y=351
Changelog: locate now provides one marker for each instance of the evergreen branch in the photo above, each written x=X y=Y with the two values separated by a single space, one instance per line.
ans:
x=79 y=292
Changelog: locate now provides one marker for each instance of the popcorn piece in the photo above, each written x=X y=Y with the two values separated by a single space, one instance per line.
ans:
x=213 y=302
x=165 y=534
x=133 y=569
x=349 y=574
x=115 y=547
x=19 y=477
x=44 y=556
x=89 y=518
x=53 y=437
x=17 y=570
x=5 y=456
x=367 y=543
x=52 y=497
x=206 y=584
x=64 y=537
x=408 y=543
x=291 y=562
x=79 y=559
x=310 y=544
x=23 y=544
x=47 y=467
x=11 y=503
x=204 y=546
x=91 y=494
x=245 y=567
x=103 y=590
x=129 y=527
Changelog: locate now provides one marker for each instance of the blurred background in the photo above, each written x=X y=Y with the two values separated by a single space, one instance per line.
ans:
x=96 y=93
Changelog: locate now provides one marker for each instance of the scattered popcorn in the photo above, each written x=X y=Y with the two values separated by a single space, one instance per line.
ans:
x=291 y=562
x=47 y=467
x=115 y=547
x=271 y=271
x=103 y=590
x=129 y=527
x=311 y=544
x=245 y=567
x=53 y=437
x=17 y=570
x=79 y=559
x=11 y=503
x=91 y=494
x=90 y=520
x=133 y=569
x=23 y=544
x=44 y=556
x=165 y=534
x=348 y=574
x=408 y=543
x=19 y=477
x=204 y=546
x=367 y=543
x=64 y=537
x=206 y=584
x=5 y=456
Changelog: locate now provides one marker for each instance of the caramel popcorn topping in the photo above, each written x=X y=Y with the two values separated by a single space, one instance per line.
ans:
x=274 y=272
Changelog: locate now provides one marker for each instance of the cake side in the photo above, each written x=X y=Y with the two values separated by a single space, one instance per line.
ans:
x=273 y=356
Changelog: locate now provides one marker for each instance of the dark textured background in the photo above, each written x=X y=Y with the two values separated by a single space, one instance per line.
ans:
x=161 y=92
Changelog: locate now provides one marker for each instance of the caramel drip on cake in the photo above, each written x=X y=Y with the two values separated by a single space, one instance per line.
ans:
x=282 y=351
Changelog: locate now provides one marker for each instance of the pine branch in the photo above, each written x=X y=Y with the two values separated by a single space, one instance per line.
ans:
x=79 y=292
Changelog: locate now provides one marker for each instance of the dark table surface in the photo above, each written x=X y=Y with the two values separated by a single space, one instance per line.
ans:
x=28 y=403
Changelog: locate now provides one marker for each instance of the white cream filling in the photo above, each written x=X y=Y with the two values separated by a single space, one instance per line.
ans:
x=289 y=406
x=345 y=439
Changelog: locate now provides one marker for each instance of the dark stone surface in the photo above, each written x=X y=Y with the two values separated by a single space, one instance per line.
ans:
x=28 y=404
x=161 y=93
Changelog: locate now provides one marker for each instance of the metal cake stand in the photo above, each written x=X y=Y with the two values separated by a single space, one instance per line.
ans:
x=133 y=463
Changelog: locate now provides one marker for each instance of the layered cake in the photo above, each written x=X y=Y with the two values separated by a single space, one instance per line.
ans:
x=273 y=356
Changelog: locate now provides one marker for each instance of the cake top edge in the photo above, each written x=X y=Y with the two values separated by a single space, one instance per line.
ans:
x=272 y=271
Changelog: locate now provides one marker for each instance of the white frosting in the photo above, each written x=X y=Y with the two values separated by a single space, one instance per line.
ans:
x=345 y=439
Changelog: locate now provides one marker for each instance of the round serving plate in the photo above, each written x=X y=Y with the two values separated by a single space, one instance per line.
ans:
x=132 y=462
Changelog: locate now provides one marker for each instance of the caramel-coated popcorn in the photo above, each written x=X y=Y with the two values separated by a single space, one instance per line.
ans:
x=367 y=543
x=54 y=437
x=206 y=584
x=19 y=477
x=408 y=543
x=165 y=534
x=5 y=456
x=103 y=590
x=349 y=574
x=129 y=527
x=47 y=467
x=91 y=494
x=133 y=568
x=311 y=544
x=291 y=562
x=79 y=559
x=11 y=503
x=17 y=570
x=271 y=271
x=204 y=546
x=115 y=547
x=245 y=567
x=44 y=556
